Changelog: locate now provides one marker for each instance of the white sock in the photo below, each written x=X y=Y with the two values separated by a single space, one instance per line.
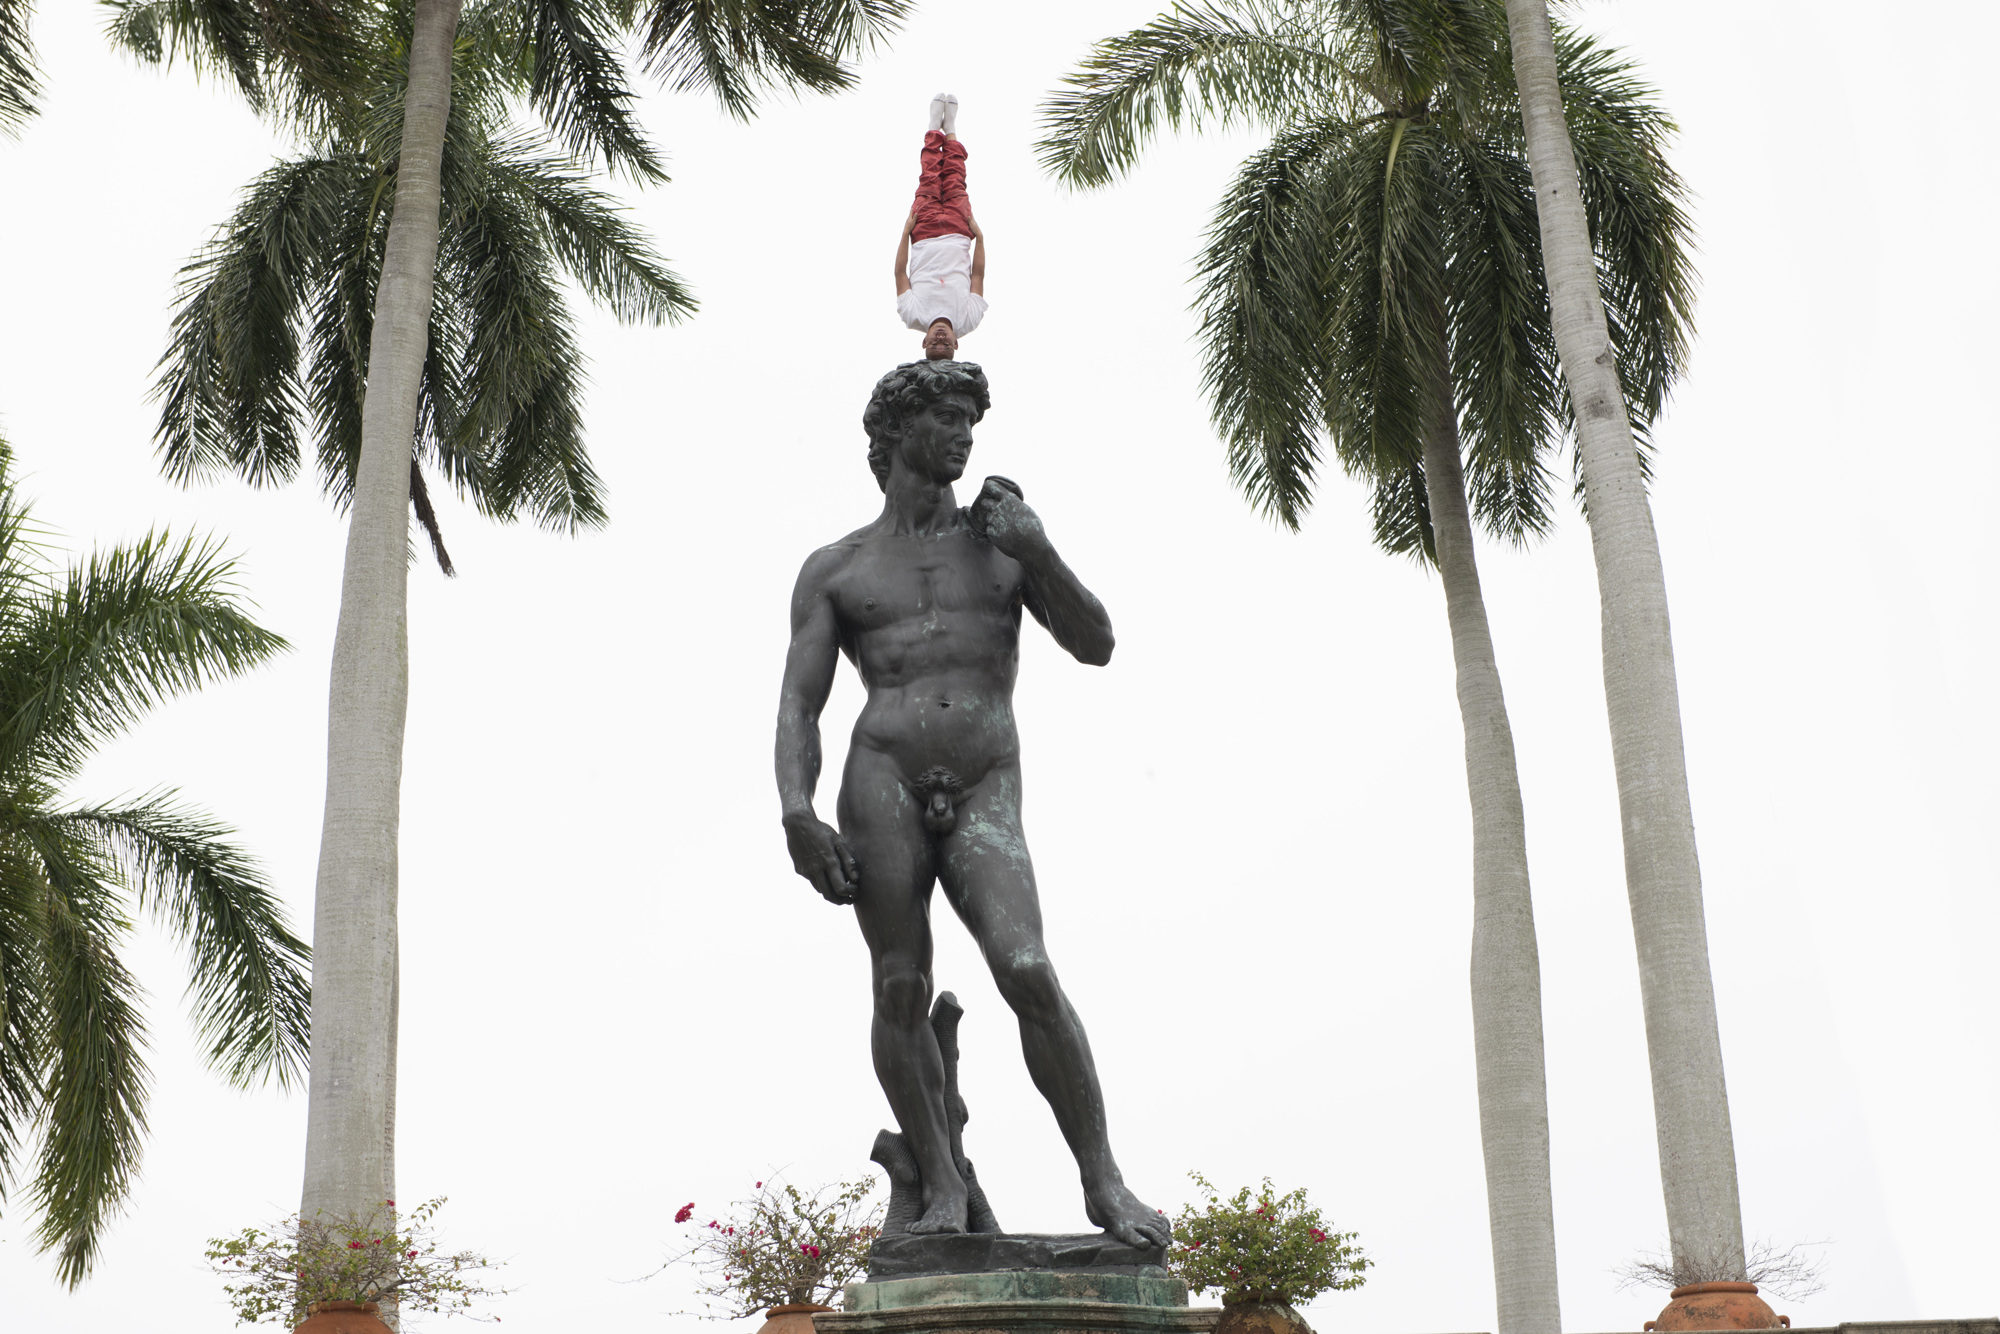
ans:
x=936 y=121
x=950 y=125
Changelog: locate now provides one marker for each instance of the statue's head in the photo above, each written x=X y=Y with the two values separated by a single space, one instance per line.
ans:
x=940 y=340
x=913 y=388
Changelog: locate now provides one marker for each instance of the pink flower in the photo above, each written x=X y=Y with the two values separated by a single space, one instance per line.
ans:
x=760 y=1185
x=686 y=1212
x=811 y=1250
x=353 y=1245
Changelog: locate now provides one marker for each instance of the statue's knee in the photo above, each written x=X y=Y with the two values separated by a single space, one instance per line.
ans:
x=1030 y=987
x=902 y=996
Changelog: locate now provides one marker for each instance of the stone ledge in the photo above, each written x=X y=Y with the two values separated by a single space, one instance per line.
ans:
x=1016 y=1285
x=1048 y=1317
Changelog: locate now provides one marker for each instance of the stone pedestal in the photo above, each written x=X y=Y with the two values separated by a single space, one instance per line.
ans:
x=996 y=1283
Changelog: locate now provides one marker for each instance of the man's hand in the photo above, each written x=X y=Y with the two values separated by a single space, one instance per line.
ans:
x=1002 y=517
x=909 y=224
x=820 y=854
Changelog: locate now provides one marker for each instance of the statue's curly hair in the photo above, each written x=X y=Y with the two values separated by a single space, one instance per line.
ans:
x=911 y=386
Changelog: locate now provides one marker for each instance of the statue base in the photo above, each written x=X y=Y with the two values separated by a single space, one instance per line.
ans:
x=993 y=1283
x=1047 y=1317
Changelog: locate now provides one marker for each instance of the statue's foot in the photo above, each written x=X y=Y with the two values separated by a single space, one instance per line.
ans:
x=944 y=1211
x=1122 y=1214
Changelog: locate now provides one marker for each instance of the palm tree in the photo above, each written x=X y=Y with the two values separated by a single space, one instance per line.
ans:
x=83 y=656
x=1662 y=870
x=476 y=373
x=1373 y=277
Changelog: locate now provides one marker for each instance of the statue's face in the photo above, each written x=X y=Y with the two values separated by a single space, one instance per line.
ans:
x=940 y=343
x=937 y=439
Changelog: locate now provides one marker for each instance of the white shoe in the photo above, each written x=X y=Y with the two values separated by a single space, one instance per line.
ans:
x=936 y=121
x=950 y=122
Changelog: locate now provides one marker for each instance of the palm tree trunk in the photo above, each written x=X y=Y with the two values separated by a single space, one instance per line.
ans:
x=1662 y=874
x=350 y=1120
x=1506 y=967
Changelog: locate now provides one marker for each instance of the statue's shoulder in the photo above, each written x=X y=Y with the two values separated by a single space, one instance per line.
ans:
x=834 y=557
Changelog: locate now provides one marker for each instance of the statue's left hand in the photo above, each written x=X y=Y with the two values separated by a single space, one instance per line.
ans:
x=1002 y=517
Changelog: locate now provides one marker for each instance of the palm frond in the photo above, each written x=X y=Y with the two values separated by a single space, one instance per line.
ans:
x=1434 y=56
x=296 y=61
x=24 y=1020
x=735 y=50
x=1639 y=225
x=20 y=76
x=1399 y=512
x=133 y=626
x=95 y=1079
x=1504 y=368
x=589 y=236
x=522 y=411
x=1387 y=270
x=1264 y=311
x=228 y=384
x=577 y=83
x=224 y=39
x=1195 y=67
x=249 y=977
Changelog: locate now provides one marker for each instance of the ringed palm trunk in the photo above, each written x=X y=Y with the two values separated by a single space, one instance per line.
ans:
x=1506 y=967
x=1662 y=874
x=351 y=1114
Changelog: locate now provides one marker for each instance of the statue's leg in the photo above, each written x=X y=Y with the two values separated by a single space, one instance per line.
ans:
x=990 y=882
x=884 y=827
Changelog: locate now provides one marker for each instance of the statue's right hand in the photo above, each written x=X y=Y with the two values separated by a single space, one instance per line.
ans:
x=820 y=854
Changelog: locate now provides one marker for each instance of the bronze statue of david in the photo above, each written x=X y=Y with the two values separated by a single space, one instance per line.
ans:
x=926 y=601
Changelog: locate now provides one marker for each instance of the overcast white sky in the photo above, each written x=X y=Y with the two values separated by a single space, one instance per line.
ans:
x=1250 y=829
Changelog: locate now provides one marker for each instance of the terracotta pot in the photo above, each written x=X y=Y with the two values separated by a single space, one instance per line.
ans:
x=342 y=1318
x=794 y=1319
x=1718 y=1306
x=1261 y=1318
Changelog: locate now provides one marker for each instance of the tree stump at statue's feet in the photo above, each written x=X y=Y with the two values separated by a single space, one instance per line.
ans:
x=892 y=1150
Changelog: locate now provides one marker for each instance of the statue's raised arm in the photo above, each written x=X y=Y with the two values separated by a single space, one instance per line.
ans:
x=1054 y=594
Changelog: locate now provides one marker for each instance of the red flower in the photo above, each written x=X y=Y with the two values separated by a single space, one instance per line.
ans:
x=760 y=1185
x=1317 y=1235
x=811 y=1250
x=410 y=1255
x=353 y=1245
x=686 y=1212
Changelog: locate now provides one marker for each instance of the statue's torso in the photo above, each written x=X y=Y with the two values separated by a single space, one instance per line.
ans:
x=933 y=625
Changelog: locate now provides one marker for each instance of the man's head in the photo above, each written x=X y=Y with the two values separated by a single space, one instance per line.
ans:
x=939 y=389
x=940 y=340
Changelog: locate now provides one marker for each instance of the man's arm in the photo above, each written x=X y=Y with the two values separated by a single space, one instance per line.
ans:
x=903 y=254
x=818 y=851
x=1055 y=595
x=978 y=258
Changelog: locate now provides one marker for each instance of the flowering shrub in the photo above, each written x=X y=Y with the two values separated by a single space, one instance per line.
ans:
x=781 y=1247
x=1276 y=1249
x=384 y=1257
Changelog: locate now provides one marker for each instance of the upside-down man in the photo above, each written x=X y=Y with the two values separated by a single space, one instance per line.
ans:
x=941 y=259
